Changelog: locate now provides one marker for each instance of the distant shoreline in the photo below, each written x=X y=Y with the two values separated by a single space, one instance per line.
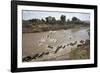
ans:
x=36 y=29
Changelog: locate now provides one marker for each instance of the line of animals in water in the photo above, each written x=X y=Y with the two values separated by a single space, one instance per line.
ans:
x=29 y=58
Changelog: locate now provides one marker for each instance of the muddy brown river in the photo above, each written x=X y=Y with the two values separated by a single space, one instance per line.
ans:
x=33 y=43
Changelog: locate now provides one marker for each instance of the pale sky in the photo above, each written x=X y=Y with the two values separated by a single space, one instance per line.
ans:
x=31 y=14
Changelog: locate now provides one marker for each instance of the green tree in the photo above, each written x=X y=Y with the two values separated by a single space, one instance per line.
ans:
x=42 y=21
x=50 y=20
x=53 y=20
x=75 y=19
x=63 y=19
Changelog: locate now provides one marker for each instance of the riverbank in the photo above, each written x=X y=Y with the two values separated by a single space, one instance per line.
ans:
x=82 y=51
x=44 y=27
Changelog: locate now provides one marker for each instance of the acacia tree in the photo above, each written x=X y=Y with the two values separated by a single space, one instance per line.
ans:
x=63 y=19
x=50 y=20
x=75 y=19
x=42 y=21
x=53 y=20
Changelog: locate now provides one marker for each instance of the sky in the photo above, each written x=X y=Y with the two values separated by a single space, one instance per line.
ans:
x=31 y=14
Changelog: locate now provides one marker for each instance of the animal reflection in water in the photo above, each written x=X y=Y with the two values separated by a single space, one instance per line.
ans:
x=40 y=55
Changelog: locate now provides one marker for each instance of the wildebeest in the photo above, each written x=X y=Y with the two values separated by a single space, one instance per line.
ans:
x=82 y=41
x=75 y=43
x=64 y=46
x=58 y=48
x=46 y=53
x=87 y=42
x=72 y=44
x=41 y=54
x=27 y=59
x=50 y=47
x=36 y=55
x=79 y=45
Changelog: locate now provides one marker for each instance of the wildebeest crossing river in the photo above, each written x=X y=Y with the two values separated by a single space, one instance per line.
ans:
x=52 y=45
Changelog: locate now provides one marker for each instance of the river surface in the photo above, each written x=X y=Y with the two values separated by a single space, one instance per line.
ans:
x=33 y=43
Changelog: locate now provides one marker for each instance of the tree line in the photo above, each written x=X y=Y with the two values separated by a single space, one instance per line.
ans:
x=52 y=20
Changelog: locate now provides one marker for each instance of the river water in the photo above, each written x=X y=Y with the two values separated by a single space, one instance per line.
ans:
x=33 y=43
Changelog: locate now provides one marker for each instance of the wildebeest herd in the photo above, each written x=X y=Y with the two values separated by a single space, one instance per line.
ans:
x=40 y=55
